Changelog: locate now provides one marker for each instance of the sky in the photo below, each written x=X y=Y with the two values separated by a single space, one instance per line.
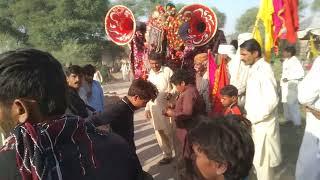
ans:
x=232 y=8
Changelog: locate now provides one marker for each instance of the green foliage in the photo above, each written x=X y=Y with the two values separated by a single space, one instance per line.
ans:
x=247 y=20
x=8 y=42
x=141 y=8
x=315 y=6
x=179 y=6
x=71 y=29
x=220 y=16
x=76 y=53
x=302 y=6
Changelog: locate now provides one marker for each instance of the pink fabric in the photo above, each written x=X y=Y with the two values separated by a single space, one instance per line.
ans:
x=278 y=20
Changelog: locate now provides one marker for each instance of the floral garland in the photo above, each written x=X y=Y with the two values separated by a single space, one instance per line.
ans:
x=162 y=35
x=138 y=57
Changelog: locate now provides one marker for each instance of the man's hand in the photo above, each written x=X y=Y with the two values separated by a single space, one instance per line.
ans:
x=148 y=114
x=168 y=112
x=171 y=105
x=168 y=96
x=314 y=112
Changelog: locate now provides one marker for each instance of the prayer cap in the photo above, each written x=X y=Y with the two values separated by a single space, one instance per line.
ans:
x=227 y=49
x=244 y=37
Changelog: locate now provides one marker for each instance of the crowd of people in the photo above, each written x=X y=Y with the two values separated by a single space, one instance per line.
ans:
x=57 y=126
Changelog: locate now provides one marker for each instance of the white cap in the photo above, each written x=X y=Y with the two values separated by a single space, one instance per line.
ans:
x=227 y=49
x=244 y=37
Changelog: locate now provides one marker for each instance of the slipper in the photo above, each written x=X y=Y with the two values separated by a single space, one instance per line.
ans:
x=165 y=161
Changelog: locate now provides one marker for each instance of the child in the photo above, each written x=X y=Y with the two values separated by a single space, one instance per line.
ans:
x=188 y=105
x=223 y=148
x=229 y=100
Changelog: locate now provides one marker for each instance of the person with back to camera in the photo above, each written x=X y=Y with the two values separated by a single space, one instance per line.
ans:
x=43 y=142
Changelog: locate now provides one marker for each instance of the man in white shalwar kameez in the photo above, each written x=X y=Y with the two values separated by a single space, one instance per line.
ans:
x=292 y=73
x=309 y=155
x=261 y=104
x=160 y=76
x=125 y=69
x=239 y=71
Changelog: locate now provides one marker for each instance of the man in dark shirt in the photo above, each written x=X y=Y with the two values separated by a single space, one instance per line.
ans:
x=76 y=105
x=43 y=143
x=120 y=115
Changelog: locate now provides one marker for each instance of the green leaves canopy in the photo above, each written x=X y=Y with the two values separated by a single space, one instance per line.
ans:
x=72 y=29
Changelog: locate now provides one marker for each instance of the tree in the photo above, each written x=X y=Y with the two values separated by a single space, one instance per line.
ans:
x=8 y=43
x=57 y=25
x=247 y=20
x=141 y=8
x=220 y=16
x=179 y=6
x=315 y=6
x=302 y=6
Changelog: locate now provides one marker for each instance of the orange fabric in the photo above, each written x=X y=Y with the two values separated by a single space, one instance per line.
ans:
x=233 y=110
x=221 y=80
x=291 y=19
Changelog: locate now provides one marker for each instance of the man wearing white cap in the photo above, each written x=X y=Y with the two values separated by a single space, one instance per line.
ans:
x=261 y=108
x=239 y=71
x=228 y=50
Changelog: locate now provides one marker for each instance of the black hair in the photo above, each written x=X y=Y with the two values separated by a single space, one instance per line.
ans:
x=31 y=73
x=89 y=70
x=140 y=39
x=291 y=50
x=225 y=140
x=234 y=43
x=74 y=69
x=229 y=90
x=182 y=75
x=252 y=46
x=159 y=57
x=141 y=26
x=144 y=89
